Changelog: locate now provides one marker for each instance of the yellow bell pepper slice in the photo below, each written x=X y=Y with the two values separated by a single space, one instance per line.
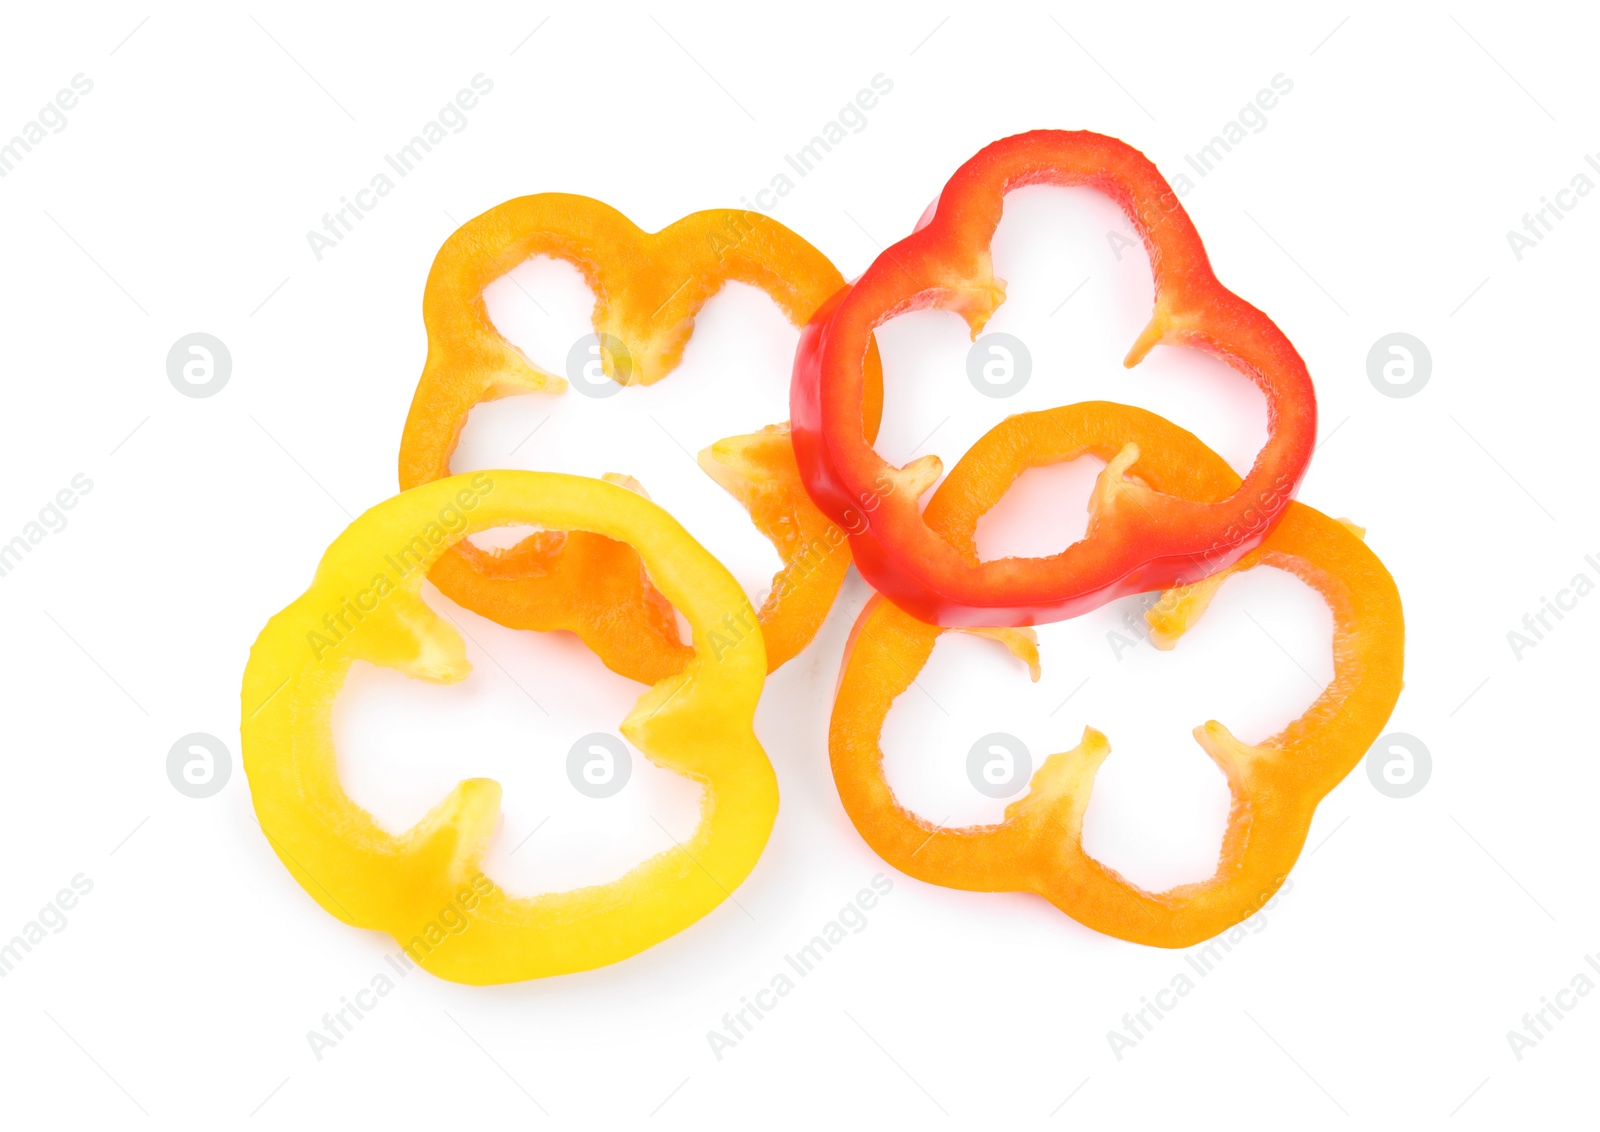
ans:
x=425 y=887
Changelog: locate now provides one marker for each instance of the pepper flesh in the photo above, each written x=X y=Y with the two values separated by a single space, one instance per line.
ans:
x=648 y=288
x=364 y=604
x=1149 y=539
x=1276 y=785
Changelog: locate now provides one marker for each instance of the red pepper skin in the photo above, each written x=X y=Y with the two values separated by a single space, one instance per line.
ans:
x=1138 y=539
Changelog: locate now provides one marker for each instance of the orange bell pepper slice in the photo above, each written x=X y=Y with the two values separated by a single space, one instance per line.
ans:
x=648 y=288
x=1276 y=785
x=425 y=887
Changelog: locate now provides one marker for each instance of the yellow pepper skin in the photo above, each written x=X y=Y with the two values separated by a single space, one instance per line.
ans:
x=1276 y=784
x=364 y=604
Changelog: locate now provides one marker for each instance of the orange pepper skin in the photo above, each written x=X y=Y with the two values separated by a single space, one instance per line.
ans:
x=1154 y=540
x=425 y=887
x=1276 y=785
x=648 y=288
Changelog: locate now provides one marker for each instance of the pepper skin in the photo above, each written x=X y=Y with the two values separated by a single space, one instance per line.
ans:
x=1276 y=785
x=1150 y=539
x=648 y=288
x=424 y=887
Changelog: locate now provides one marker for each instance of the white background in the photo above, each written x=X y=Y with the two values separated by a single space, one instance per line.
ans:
x=1377 y=199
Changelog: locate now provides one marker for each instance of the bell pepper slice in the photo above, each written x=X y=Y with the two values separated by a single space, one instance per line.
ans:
x=1143 y=538
x=648 y=288
x=1276 y=785
x=424 y=887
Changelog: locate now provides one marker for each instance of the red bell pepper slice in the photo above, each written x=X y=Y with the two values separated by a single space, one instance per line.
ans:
x=1138 y=539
